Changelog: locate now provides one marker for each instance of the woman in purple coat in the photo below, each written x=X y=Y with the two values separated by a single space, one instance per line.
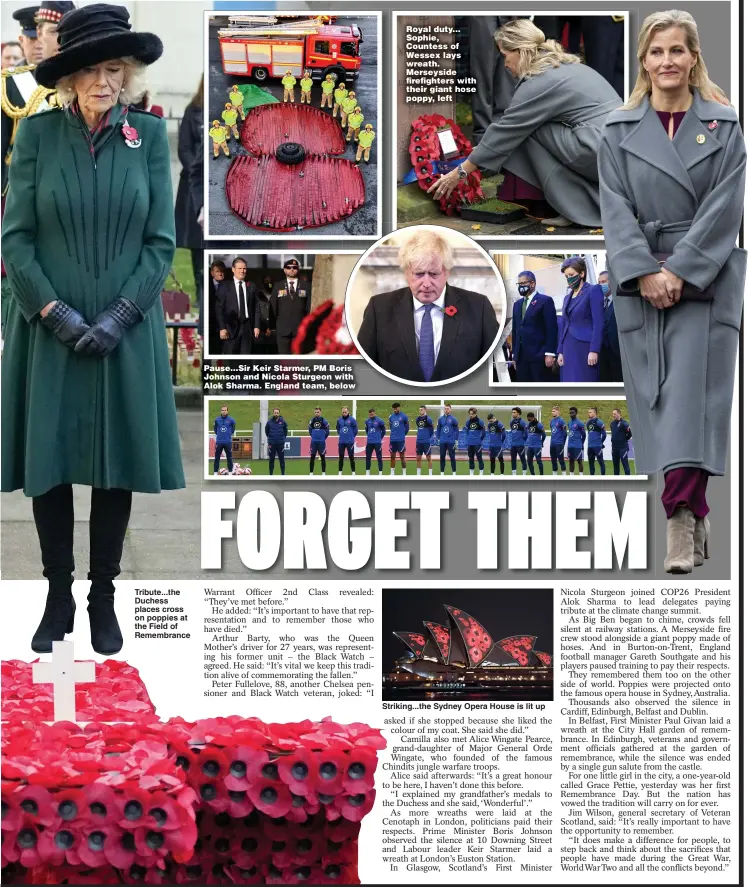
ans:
x=582 y=321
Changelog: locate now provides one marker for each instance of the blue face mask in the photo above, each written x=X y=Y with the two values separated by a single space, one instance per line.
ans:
x=605 y=288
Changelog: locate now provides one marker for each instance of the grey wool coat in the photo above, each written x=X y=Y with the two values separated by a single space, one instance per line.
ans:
x=683 y=197
x=549 y=136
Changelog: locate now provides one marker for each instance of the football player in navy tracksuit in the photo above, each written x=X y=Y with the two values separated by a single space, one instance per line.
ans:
x=447 y=430
x=620 y=435
x=558 y=439
x=496 y=442
x=517 y=438
x=476 y=431
x=347 y=429
x=424 y=436
x=535 y=437
x=276 y=432
x=575 y=442
x=319 y=430
x=224 y=427
x=399 y=427
x=596 y=435
x=375 y=431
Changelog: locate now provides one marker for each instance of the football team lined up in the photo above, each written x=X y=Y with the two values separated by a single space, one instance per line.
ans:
x=523 y=440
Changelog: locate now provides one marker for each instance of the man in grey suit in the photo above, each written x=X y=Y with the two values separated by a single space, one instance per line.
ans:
x=428 y=331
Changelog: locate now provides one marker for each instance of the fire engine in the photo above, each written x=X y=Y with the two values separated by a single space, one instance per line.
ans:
x=259 y=48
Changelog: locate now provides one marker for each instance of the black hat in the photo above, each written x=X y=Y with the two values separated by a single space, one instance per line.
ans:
x=289 y=263
x=25 y=18
x=51 y=11
x=94 y=34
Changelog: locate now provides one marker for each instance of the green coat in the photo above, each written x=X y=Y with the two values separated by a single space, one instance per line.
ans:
x=87 y=231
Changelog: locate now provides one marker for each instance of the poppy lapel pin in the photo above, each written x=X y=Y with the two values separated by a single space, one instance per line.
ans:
x=450 y=310
x=132 y=140
x=713 y=125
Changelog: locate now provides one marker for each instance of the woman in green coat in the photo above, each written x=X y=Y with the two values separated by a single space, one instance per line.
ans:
x=88 y=239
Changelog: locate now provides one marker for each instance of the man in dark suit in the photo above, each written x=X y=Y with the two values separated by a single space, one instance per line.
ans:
x=238 y=311
x=429 y=330
x=289 y=305
x=610 y=353
x=534 y=332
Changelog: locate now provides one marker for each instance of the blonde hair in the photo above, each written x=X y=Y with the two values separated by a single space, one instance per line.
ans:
x=536 y=54
x=422 y=246
x=699 y=76
x=133 y=85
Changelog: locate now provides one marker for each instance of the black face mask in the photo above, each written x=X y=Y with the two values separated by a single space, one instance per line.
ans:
x=524 y=289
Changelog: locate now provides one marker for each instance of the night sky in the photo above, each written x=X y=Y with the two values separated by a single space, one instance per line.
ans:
x=501 y=611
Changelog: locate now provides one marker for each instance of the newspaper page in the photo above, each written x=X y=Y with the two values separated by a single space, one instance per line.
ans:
x=372 y=454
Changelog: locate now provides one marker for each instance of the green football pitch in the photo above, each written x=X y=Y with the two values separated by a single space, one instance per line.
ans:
x=300 y=467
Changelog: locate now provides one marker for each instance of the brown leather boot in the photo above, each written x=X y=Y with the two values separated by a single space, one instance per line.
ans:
x=701 y=541
x=680 y=547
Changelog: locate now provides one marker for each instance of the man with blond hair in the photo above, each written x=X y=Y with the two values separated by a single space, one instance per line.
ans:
x=428 y=330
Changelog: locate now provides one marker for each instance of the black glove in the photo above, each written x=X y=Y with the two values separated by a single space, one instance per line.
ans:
x=66 y=323
x=108 y=327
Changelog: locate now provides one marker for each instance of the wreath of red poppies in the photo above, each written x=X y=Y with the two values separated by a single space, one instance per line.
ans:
x=218 y=801
x=425 y=148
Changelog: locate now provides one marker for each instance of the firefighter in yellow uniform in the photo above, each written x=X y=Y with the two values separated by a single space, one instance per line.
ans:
x=306 y=88
x=229 y=118
x=347 y=106
x=341 y=92
x=289 y=81
x=237 y=100
x=219 y=134
x=354 y=124
x=328 y=84
x=365 y=140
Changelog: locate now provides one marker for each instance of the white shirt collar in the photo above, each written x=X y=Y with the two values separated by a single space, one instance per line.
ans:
x=439 y=302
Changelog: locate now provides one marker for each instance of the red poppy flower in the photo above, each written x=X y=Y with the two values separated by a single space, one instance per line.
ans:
x=355 y=807
x=244 y=875
x=132 y=806
x=270 y=797
x=249 y=847
x=129 y=132
x=239 y=804
x=359 y=773
x=94 y=843
x=296 y=770
x=121 y=849
x=339 y=874
x=246 y=764
x=305 y=849
x=211 y=765
x=329 y=772
x=339 y=852
x=450 y=310
x=302 y=806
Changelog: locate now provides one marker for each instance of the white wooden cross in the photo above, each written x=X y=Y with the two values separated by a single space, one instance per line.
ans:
x=63 y=672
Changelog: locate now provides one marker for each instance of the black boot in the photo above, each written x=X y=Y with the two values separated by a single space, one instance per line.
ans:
x=53 y=516
x=110 y=515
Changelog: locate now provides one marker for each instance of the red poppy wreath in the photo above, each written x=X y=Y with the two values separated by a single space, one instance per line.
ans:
x=218 y=801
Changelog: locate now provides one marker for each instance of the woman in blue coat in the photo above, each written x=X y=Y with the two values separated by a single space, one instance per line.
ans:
x=582 y=322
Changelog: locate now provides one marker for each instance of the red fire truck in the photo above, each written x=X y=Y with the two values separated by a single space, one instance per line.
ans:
x=263 y=52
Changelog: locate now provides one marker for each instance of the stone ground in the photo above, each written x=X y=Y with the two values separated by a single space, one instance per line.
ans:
x=364 y=221
x=163 y=540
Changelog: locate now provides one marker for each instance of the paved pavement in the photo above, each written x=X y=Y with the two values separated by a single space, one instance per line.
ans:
x=163 y=540
x=364 y=221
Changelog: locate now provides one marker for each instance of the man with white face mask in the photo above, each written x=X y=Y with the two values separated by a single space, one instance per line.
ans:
x=429 y=330
x=534 y=332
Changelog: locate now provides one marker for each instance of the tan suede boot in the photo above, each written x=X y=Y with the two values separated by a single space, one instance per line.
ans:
x=701 y=541
x=680 y=531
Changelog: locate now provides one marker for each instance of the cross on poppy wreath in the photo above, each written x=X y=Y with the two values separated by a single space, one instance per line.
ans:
x=293 y=178
x=216 y=801
x=425 y=155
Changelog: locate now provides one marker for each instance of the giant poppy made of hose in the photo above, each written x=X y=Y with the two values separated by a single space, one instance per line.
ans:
x=425 y=155
x=293 y=177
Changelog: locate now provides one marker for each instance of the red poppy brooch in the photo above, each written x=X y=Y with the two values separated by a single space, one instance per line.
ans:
x=132 y=140
x=450 y=310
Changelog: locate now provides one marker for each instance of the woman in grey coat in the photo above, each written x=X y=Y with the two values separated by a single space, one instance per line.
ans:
x=672 y=181
x=549 y=134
